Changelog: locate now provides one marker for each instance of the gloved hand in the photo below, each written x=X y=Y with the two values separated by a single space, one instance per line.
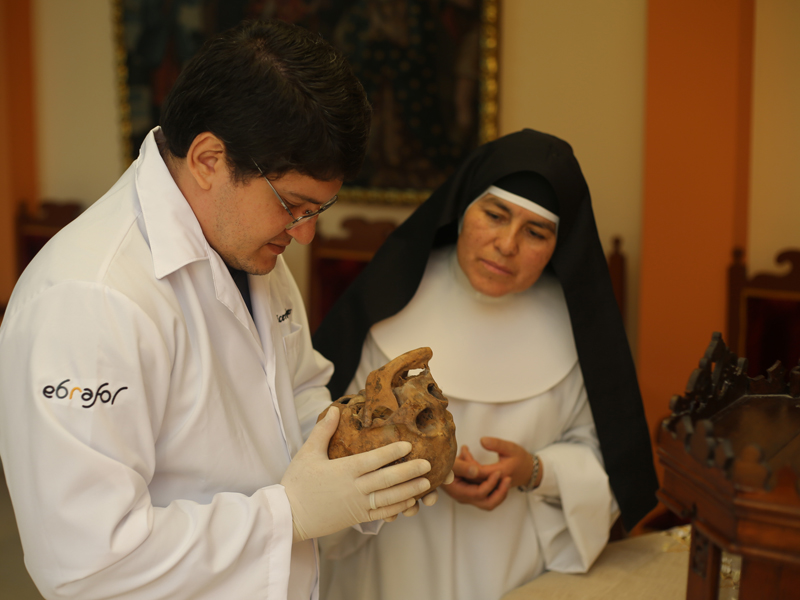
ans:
x=328 y=495
x=428 y=499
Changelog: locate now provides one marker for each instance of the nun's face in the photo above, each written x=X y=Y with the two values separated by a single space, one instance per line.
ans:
x=504 y=248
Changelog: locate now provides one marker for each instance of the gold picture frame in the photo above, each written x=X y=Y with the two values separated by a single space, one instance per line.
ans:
x=470 y=118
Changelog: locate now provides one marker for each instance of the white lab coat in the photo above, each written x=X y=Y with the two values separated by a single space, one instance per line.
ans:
x=146 y=420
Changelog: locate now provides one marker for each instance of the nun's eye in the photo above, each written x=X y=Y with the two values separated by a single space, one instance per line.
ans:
x=492 y=216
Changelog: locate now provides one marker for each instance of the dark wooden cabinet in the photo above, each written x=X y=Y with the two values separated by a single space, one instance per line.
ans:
x=731 y=457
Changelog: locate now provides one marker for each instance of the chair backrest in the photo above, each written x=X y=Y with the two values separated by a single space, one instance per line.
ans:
x=336 y=262
x=34 y=230
x=617 y=269
x=764 y=313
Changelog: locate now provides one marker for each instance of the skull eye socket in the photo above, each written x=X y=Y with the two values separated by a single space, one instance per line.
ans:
x=355 y=413
x=382 y=412
x=434 y=391
x=425 y=421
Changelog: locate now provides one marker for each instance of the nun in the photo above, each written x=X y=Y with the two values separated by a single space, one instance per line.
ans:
x=501 y=272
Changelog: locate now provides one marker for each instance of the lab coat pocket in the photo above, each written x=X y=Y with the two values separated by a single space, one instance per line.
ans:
x=292 y=342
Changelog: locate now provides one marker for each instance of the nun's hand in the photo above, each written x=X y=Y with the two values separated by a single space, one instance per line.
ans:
x=477 y=484
x=513 y=461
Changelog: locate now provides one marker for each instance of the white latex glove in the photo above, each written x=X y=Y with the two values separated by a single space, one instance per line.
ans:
x=328 y=495
x=428 y=499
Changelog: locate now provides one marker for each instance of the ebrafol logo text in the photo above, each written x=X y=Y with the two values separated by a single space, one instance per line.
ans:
x=89 y=396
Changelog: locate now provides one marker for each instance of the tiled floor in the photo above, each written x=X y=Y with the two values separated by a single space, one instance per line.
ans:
x=15 y=583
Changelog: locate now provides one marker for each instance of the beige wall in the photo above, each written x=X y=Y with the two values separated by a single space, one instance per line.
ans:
x=79 y=139
x=775 y=158
x=576 y=69
x=573 y=68
x=597 y=108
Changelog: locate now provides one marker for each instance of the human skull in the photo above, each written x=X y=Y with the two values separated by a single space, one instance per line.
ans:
x=395 y=407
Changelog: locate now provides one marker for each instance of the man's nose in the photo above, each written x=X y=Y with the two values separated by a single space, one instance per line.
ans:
x=305 y=231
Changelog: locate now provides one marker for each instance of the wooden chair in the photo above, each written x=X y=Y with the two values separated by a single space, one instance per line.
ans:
x=617 y=268
x=34 y=230
x=764 y=313
x=336 y=262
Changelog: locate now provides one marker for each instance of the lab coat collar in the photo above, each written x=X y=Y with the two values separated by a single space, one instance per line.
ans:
x=174 y=232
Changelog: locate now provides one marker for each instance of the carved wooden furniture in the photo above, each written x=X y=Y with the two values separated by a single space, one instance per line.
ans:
x=336 y=262
x=731 y=457
x=764 y=313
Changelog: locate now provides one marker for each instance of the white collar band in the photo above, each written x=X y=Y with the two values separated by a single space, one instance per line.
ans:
x=521 y=202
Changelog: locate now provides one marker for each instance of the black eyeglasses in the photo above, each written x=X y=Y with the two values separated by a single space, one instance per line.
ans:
x=307 y=214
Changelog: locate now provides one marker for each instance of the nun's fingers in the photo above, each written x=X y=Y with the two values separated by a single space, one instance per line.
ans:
x=497 y=497
x=470 y=493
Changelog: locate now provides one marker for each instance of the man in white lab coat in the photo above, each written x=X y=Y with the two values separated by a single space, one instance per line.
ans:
x=157 y=375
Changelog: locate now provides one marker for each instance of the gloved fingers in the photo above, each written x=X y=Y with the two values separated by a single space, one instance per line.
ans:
x=375 y=459
x=391 y=476
x=387 y=512
x=321 y=434
x=397 y=494
x=450 y=478
x=430 y=498
x=410 y=512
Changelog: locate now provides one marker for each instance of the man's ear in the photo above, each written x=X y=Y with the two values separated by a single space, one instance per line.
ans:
x=206 y=160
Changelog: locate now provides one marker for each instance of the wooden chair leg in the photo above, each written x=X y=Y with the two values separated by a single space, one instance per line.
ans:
x=704 y=563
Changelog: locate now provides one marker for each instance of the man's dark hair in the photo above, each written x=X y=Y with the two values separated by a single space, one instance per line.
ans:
x=276 y=94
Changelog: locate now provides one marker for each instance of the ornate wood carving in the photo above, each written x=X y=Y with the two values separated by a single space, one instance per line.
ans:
x=789 y=281
x=731 y=456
